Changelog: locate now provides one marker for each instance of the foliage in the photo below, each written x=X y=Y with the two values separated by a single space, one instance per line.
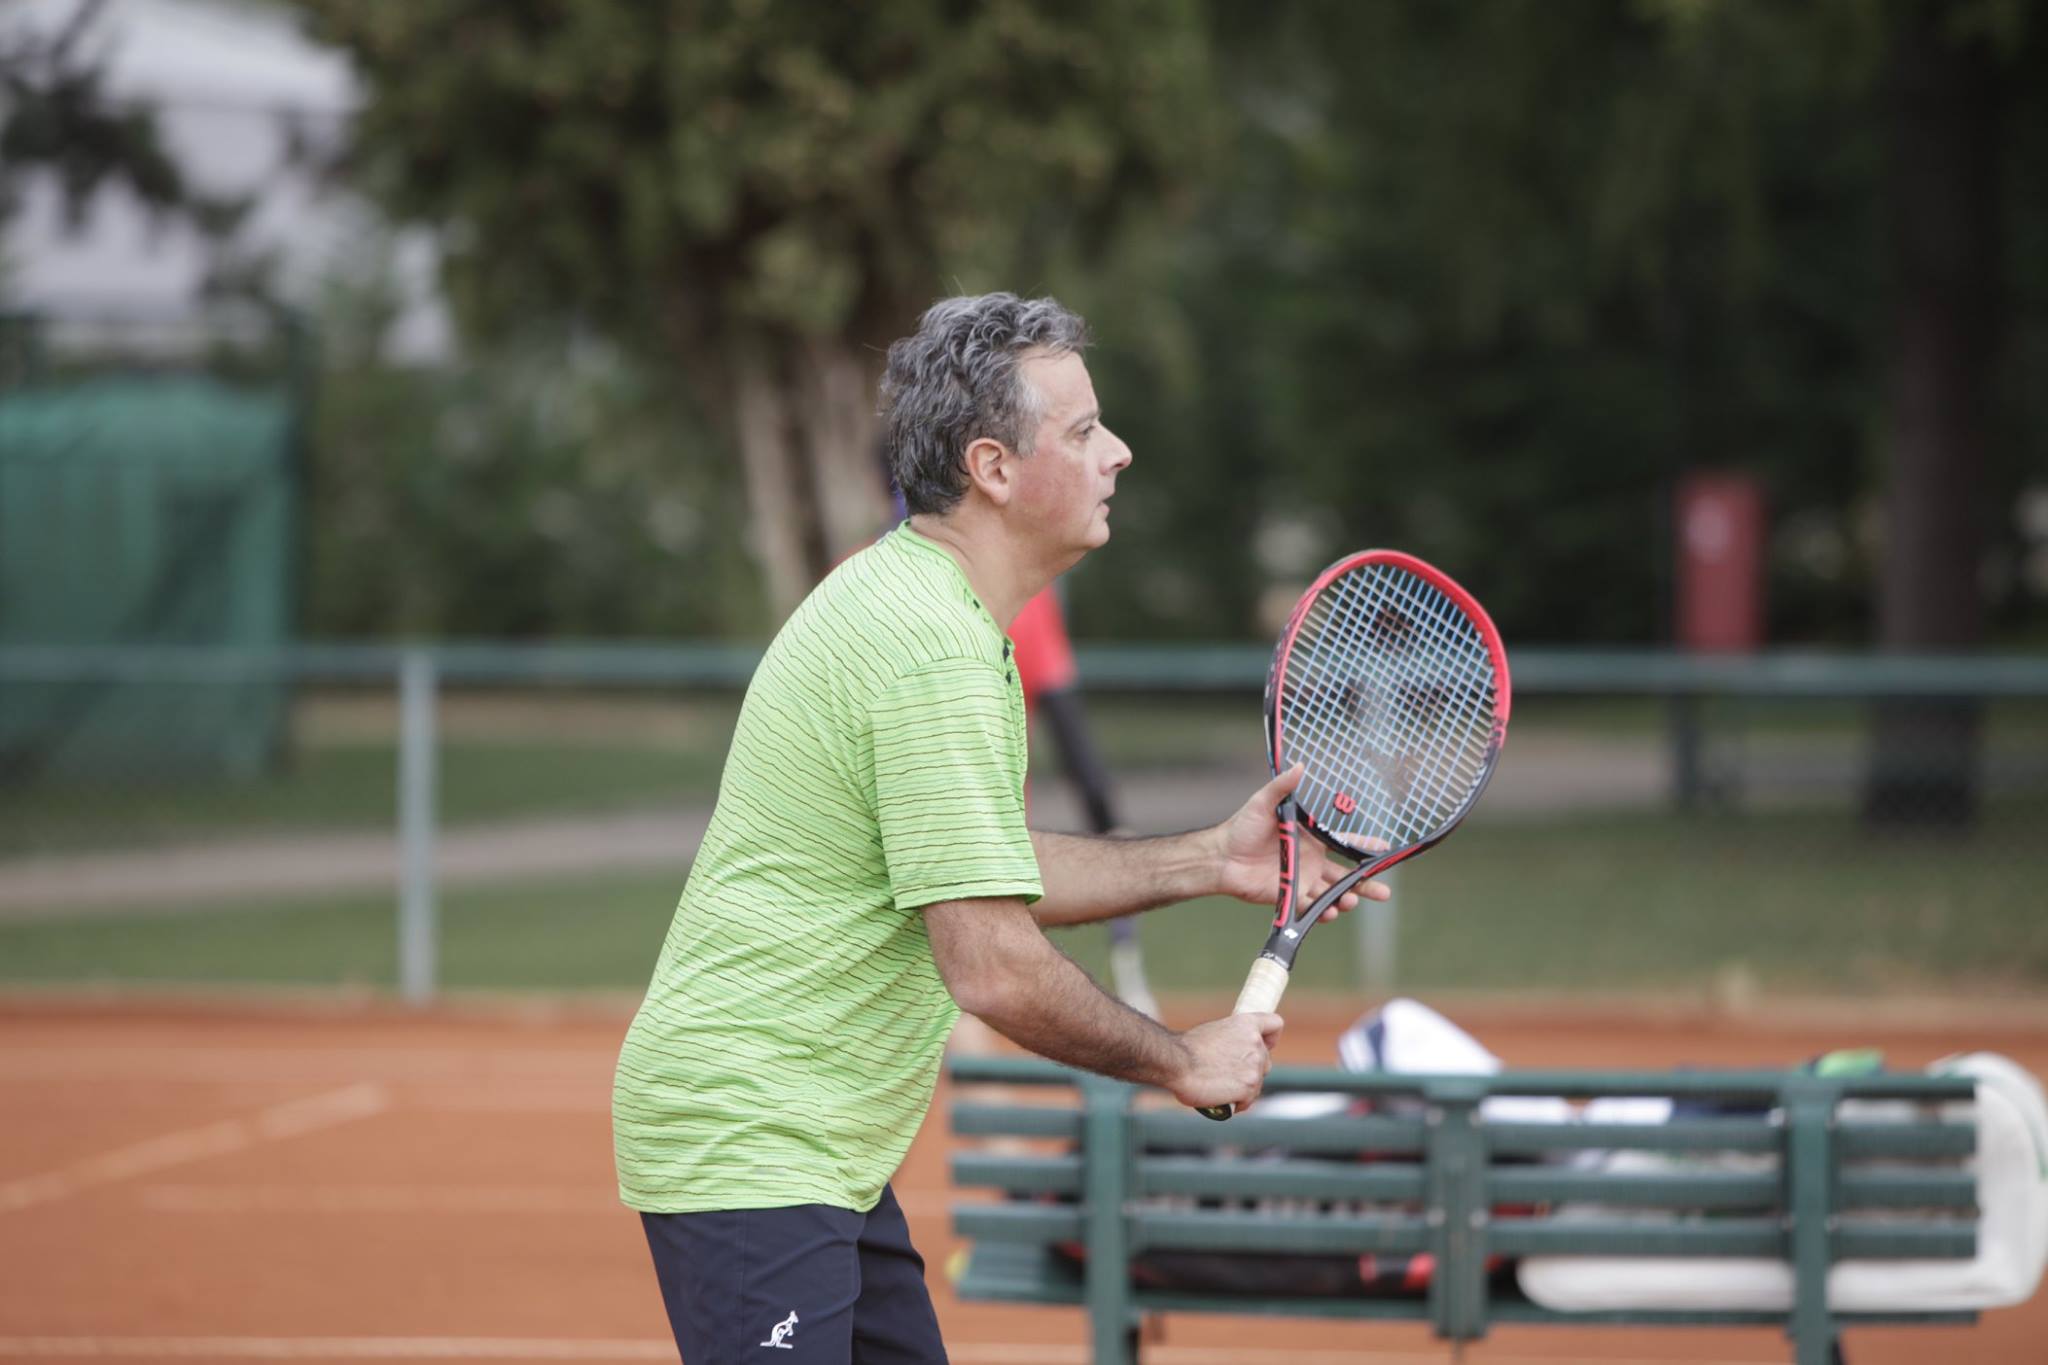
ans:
x=1482 y=280
x=812 y=166
x=760 y=196
x=54 y=115
x=57 y=117
x=1478 y=280
x=541 y=485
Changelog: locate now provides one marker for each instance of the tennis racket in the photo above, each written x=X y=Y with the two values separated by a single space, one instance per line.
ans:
x=1390 y=687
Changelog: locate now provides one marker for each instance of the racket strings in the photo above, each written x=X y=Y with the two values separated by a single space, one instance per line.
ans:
x=1407 y=750
x=1430 y=710
x=1388 y=701
x=1450 y=768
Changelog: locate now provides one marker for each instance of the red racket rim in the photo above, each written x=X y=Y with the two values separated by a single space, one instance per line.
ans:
x=1489 y=635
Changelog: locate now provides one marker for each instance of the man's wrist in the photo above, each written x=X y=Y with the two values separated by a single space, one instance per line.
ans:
x=1174 y=1062
x=1217 y=852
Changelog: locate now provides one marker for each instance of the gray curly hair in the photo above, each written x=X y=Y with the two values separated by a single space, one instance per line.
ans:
x=956 y=380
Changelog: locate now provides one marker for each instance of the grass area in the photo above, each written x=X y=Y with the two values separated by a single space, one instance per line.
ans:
x=1799 y=904
x=1177 y=732
x=511 y=755
x=354 y=786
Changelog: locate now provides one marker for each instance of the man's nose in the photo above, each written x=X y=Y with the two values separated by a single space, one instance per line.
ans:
x=1122 y=458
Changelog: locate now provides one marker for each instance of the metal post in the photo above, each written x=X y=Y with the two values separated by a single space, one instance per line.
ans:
x=1810 y=1120
x=1688 y=764
x=417 y=932
x=1455 y=1181
x=1106 y=1157
x=1379 y=939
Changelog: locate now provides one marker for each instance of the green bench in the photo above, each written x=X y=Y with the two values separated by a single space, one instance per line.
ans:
x=1120 y=1174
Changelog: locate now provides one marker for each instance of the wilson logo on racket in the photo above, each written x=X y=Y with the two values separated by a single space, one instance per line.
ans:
x=1390 y=679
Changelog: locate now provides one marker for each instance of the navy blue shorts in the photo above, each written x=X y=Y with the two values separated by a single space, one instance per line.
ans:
x=827 y=1285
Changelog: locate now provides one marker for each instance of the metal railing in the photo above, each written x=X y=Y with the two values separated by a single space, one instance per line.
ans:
x=420 y=671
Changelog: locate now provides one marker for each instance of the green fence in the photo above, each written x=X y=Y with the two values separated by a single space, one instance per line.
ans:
x=1659 y=823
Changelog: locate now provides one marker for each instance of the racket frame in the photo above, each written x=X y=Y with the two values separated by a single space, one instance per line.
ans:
x=1289 y=927
x=1275 y=961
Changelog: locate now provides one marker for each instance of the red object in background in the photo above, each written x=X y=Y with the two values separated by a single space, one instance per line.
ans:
x=1045 y=657
x=1720 y=563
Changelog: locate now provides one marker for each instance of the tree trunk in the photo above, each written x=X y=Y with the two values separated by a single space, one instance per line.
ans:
x=778 y=496
x=804 y=412
x=1945 y=119
x=846 y=469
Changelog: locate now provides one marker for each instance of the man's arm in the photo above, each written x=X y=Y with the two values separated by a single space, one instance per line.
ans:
x=1000 y=967
x=1089 y=879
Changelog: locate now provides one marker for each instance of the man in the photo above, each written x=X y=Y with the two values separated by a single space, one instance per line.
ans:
x=868 y=869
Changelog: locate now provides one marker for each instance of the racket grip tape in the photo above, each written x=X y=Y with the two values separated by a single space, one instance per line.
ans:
x=1263 y=987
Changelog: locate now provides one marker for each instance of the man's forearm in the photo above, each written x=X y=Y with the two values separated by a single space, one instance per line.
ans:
x=1089 y=879
x=1054 y=1009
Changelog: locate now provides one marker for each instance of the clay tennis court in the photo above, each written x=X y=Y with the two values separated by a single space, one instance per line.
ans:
x=333 y=1183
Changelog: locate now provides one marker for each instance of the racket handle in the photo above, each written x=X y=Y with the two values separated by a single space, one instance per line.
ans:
x=1263 y=987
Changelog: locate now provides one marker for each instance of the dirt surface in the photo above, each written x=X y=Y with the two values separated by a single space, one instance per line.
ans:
x=214 y=1183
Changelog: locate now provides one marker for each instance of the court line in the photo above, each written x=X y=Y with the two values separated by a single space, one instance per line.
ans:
x=405 y=1199
x=1233 y=1355
x=532 y=1348
x=401 y=1199
x=231 y=1064
x=333 y=1348
x=287 y=1120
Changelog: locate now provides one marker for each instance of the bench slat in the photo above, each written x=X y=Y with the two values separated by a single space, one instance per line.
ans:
x=1018 y=1222
x=1680 y=1135
x=1294 y=1179
x=1019 y=1272
x=1016 y=1120
x=1861 y=1241
x=1347 y=1136
x=1677 y=1189
x=1906 y=1189
x=1765 y=1237
x=1636 y=1237
x=1019 y=1174
x=1222 y=1230
x=1520 y=1310
x=1923 y=1141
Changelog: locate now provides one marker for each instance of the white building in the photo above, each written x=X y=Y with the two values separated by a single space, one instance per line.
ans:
x=248 y=107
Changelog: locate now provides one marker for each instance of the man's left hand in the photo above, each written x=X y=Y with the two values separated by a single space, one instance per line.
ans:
x=1250 y=844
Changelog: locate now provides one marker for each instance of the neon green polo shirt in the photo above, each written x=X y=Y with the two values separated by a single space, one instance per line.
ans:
x=788 y=1045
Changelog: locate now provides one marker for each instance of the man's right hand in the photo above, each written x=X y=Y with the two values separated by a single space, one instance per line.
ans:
x=1227 y=1060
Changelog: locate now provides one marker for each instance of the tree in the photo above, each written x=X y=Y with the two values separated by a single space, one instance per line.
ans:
x=1484 y=279
x=54 y=115
x=1946 y=98
x=763 y=195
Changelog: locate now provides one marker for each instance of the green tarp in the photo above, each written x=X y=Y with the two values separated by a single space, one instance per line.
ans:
x=141 y=511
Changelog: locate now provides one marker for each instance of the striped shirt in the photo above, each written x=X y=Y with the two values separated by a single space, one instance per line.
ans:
x=788 y=1045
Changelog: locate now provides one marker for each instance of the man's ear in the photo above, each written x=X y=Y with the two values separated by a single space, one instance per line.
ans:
x=991 y=468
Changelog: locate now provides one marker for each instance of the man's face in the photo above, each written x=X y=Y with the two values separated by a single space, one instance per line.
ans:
x=1064 y=484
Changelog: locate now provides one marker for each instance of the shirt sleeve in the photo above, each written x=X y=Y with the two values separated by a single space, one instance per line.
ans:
x=949 y=785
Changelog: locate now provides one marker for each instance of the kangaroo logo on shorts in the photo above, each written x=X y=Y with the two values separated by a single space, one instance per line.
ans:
x=782 y=1329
